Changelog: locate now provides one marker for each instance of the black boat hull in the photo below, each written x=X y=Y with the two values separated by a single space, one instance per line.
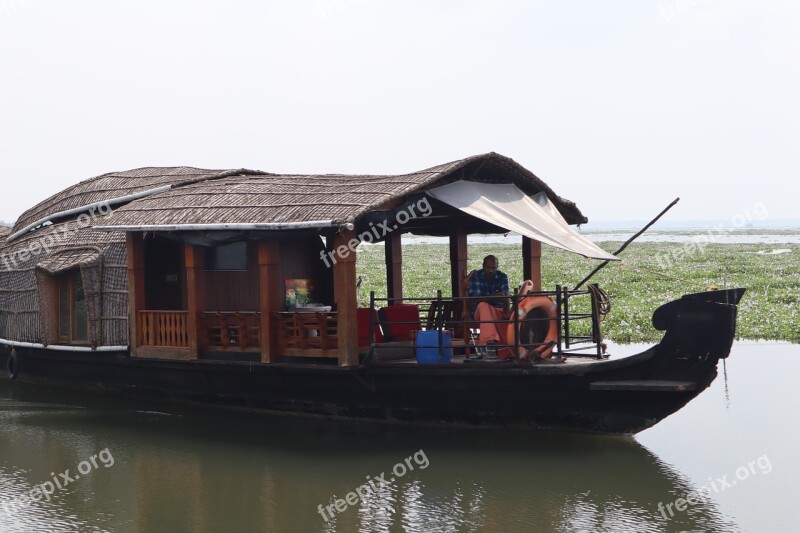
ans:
x=621 y=396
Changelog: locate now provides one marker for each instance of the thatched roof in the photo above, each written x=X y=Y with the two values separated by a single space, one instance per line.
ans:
x=112 y=187
x=53 y=238
x=67 y=259
x=247 y=197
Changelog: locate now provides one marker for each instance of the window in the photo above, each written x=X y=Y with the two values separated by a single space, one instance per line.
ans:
x=73 y=321
x=231 y=256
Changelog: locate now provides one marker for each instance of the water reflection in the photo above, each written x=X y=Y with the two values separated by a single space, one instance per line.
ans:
x=725 y=384
x=187 y=469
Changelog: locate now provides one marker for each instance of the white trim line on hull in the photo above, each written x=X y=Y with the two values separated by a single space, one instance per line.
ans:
x=63 y=348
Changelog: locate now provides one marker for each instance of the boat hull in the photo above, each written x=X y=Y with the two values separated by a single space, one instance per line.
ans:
x=620 y=396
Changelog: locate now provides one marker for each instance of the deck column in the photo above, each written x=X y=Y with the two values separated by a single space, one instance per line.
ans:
x=344 y=286
x=135 y=253
x=394 y=266
x=458 y=261
x=195 y=295
x=532 y=261
x=269 y=297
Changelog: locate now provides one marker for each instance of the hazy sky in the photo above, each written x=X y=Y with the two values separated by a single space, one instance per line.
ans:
x=618 y=105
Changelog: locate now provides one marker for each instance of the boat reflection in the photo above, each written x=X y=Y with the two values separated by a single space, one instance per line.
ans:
x=189 y=468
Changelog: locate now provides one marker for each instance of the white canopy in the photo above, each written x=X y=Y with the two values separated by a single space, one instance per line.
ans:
x=504 y=205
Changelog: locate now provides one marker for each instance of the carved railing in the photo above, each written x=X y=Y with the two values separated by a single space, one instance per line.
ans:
x=226 y=330
x=162 y=328
x=308 y=333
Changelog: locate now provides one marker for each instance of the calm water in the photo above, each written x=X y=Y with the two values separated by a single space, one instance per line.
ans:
x=183 y=469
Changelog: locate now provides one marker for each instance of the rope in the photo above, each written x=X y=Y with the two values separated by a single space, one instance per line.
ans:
x=602 y=301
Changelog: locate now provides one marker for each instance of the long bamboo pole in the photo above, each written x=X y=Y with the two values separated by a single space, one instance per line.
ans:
x=621 y=248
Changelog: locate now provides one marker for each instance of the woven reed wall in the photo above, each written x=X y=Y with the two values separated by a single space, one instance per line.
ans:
x=23 y=313
x=114 y=304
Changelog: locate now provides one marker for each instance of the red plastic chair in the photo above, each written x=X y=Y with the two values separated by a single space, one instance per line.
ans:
x=362 y=326
x=399 y=321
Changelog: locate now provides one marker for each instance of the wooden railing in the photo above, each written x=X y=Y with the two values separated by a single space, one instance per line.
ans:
x=299 y=334
x=162 y=328
x=308 y=334
x=230 y=330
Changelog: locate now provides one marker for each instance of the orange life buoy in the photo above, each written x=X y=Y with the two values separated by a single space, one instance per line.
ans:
x=528 y=304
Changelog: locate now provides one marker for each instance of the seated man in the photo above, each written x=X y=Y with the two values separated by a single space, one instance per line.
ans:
x=492 y=285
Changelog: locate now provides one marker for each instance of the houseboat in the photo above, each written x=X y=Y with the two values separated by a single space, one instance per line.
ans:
x=238 y=287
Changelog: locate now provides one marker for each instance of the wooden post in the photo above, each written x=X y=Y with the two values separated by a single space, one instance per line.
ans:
x=135 y=252
x=269 y=284
x=344 y=288
x=458 y=261
x=532 y=261
x=394 y=266
x=195 y=295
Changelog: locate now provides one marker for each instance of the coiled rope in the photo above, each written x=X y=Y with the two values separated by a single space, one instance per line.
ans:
x=601 y=300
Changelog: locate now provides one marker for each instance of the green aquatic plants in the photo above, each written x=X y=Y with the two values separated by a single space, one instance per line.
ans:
x=770 y=309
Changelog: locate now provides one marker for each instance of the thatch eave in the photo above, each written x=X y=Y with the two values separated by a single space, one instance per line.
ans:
x=112 y=189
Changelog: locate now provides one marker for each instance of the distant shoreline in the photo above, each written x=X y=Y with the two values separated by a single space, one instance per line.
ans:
x=766 y=236
x=675 y=225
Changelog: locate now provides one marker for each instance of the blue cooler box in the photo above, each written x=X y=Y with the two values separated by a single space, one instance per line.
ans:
x=427 y=347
